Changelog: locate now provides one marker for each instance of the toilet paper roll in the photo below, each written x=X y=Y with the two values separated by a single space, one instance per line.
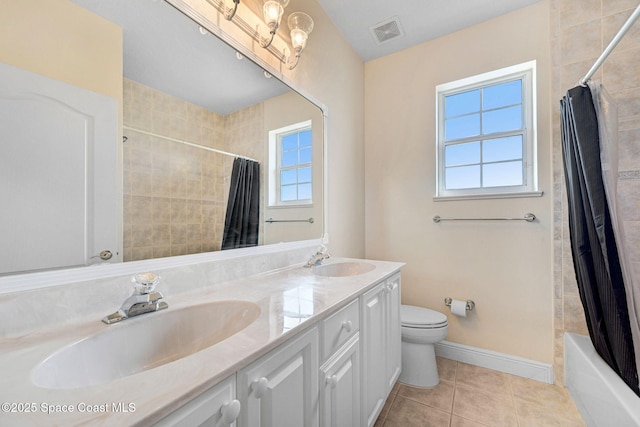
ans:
x=459 y=308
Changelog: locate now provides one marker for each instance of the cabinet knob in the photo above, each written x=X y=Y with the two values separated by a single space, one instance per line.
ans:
x=332 y=381
x=259 y=387
x=229 y=411
x=347 y=326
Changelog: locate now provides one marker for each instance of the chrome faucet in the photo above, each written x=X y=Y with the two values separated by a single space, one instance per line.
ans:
x=318 y=257
x=143 y=300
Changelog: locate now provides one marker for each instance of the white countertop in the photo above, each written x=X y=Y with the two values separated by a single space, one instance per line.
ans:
x=157 y=392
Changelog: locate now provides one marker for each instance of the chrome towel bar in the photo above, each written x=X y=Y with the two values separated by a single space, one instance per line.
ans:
x=529 y=217
x=270 y=220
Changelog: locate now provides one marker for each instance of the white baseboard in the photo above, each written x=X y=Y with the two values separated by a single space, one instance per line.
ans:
x=501 y=362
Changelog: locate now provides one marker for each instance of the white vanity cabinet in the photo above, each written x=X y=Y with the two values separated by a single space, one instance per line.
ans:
x=337 y=373
x=380 y=335
x=340 y=372
x=281 y=388
x=216 y=407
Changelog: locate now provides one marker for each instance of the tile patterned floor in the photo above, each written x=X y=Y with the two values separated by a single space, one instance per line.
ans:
x=470 y=396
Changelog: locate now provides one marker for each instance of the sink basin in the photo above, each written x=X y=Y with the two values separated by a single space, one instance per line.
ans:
x=343 y=269
x=143 y=343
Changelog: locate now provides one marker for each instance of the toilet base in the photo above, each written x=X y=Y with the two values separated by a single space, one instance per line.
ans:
x=419 y=368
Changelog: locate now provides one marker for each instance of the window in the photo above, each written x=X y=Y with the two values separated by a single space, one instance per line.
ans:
x=290 y=165
x=486 y=135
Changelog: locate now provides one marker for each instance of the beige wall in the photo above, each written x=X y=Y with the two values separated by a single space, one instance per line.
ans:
x=580 y=31
x=42 y=36
x=505 y=267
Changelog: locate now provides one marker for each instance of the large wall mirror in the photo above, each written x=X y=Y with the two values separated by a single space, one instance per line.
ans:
x=190 y=106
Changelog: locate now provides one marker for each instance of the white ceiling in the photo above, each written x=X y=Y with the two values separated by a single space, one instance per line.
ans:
x=420 y=20
x=164 y=49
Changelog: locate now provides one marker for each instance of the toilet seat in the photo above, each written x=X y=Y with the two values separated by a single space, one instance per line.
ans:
x=421 y=318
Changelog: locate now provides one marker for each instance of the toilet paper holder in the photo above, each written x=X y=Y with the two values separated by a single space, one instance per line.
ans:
x=470 y=304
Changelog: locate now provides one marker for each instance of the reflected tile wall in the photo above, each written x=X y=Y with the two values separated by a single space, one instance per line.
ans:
x=175 y=196
x=580 y=30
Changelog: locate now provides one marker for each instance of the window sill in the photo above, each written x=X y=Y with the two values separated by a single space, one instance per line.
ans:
x=489 y=196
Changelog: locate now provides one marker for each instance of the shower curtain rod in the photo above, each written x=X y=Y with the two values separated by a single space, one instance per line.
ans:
x=190 y=144
x=627 y=25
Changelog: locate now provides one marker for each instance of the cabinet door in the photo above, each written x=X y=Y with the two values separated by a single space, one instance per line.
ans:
x=281 y=388
x=392 y=321
x=373 y=333
x=340 y=387
x=215 y=407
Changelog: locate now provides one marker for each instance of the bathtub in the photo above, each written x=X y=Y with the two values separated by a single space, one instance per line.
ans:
x=602 y=398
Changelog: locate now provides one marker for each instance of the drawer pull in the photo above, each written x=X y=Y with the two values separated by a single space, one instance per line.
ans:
x=332 y=381
x=347 y=326
x=229 y=411
x=259 y=387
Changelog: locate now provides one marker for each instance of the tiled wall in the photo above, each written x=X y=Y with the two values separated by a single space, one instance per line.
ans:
x=581 y=30
x=175 y=196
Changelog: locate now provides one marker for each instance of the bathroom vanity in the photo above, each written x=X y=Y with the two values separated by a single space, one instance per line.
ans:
x=324 y=350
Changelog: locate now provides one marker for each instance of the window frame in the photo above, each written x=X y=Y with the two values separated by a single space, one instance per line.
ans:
x=275 y=166
x=525 y=72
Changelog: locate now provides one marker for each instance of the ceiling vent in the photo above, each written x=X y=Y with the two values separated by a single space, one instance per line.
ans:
x=387 y=30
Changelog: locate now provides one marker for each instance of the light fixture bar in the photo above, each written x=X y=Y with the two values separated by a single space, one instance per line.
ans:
x=299 y=23
x=219 y=5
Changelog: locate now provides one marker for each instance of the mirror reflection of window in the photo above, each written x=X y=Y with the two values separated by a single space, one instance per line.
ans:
x=290 y=165
x=297 y=306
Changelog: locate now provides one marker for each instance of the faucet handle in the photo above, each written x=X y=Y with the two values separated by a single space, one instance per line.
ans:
x=145 y=283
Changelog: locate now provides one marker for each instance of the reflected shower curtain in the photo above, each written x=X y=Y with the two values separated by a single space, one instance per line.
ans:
x=243 y=209
x=593 y=244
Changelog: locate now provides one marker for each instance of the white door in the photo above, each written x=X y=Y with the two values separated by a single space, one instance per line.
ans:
x=340 y=383
x=58 y=173
x=394 y=340
x=281 y=388
x=373 y=353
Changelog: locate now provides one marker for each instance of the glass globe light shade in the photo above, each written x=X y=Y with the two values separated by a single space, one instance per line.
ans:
x=273 y=11
x=300 y=25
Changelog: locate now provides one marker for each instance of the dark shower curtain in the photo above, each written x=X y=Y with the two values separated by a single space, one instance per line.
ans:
x=243 y=209
x=593 y=245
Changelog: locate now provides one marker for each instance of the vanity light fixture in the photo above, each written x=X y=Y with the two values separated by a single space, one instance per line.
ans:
x=300 y=26
x=272 y=11
x=229 y=13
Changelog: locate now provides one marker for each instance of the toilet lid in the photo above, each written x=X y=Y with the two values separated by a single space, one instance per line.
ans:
x=417 y=317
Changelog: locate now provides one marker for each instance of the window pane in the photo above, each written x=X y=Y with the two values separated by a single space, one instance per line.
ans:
x=502 y=174
x=305 y=138
x=501 y=95
x=305 y=155
x=462 y=103
x=500 y=149
x=462 y=177
x=462 y=154
x=289 y=158
x=288 y=193
x=304 y=191
x=304 y=175
x=290 y=142
x=502 y=120
x=288 y=177
x=462 y=127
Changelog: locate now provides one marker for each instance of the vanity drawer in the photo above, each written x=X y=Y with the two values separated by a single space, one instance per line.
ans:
x=339 y=327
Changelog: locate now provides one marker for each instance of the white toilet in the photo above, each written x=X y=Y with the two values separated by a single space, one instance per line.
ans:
x=421 y=329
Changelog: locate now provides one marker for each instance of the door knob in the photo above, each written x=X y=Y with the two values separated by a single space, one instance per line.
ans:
x=229 y=411
x=259 y=387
